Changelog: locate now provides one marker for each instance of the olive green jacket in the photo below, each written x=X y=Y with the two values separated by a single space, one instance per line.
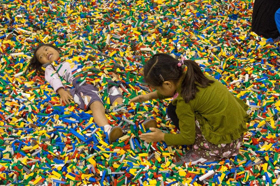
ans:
x=222 y=117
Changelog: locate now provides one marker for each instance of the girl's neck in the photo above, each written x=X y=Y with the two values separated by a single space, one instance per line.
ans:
x=58 y=60
x=179 y=83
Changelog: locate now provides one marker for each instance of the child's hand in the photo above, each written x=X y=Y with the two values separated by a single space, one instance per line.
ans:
x=141 y=98
x=154 y=136
x=65 y=96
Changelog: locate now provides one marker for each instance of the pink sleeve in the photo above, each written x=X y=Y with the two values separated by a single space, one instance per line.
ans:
x=66 y=72
x=52 y=78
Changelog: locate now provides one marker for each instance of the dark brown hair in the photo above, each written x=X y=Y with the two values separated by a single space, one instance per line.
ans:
x=163 y=67
x=35 y=63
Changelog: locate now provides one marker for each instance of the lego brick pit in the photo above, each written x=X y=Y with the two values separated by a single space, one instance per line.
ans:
x=43 y=142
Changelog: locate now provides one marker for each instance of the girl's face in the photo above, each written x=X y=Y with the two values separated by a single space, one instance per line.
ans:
x=47 y=54
x=167 y=89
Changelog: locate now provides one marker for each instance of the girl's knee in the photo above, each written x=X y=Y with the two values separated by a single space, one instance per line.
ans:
x=96 y=105
x=118 y=101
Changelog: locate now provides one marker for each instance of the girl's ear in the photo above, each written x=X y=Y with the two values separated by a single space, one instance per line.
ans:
x=168 y=84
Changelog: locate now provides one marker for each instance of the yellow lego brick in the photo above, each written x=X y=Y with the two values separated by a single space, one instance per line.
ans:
x=70 y=177
x=143 y=154
x=92 y=161
x=166 y=154
x=37 y=180
x=103 y=143
x=56 y=174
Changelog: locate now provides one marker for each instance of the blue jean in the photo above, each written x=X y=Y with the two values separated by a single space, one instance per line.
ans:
x=277 y=19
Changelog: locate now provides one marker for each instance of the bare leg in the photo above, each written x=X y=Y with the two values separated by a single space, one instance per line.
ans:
x=118 y=101
x=98 y=112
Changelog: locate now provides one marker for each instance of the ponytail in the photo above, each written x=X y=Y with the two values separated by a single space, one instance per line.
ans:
x=194 y=78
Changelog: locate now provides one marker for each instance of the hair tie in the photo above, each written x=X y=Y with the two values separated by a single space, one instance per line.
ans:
x=182 y=64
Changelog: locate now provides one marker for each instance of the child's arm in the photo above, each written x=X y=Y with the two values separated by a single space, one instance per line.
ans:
x=154 y=136
x=187 y=125
x=65 y=96
x=57 y=85
x=146 y=97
